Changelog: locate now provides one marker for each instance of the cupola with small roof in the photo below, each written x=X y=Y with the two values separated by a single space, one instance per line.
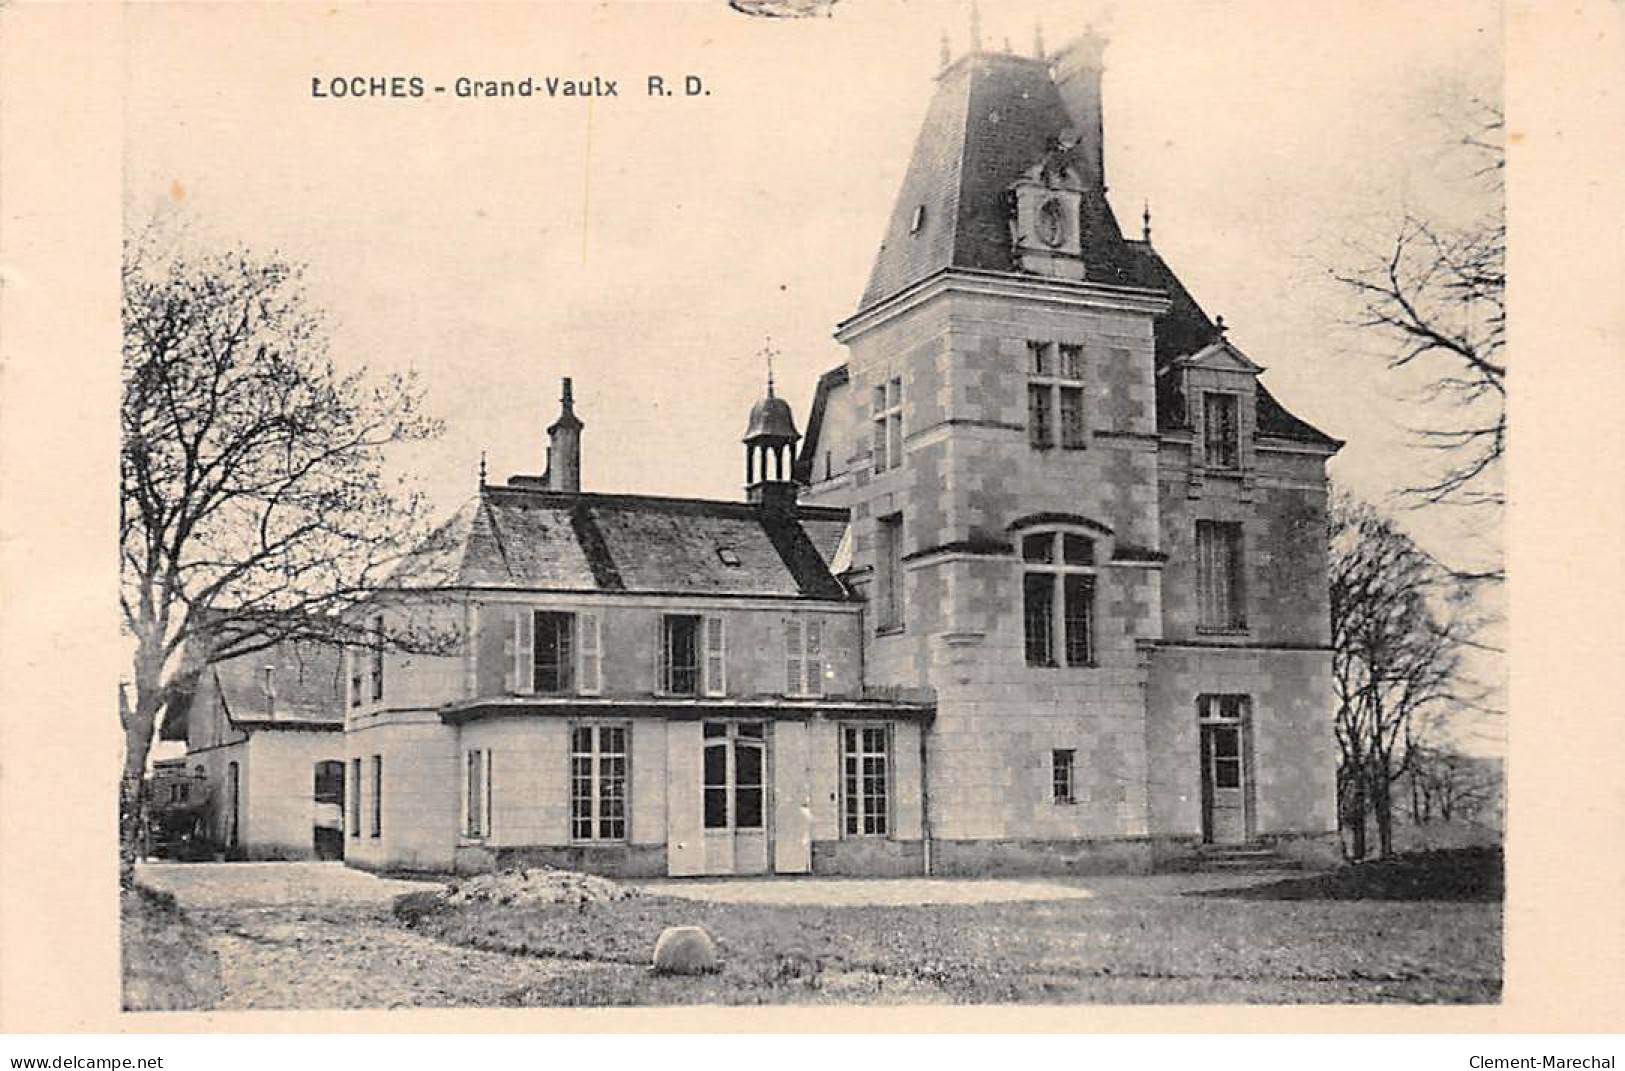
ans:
x=770 y=447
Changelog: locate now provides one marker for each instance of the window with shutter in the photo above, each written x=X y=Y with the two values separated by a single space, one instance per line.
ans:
x=554 y=670
x=803 y=657
x=1219 y=588
x=680 y=661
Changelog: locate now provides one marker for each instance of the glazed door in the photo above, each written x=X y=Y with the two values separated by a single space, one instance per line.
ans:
x=735 y=797
x=1224 y=789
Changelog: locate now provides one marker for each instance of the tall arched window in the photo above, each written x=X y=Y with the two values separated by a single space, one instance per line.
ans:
x=1058 y=598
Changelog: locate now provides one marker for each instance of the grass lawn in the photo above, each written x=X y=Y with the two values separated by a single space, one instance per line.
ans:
x=1435 y=939
x=167 y=964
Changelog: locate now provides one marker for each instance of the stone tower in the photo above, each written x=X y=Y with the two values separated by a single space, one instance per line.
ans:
x=1038 y=433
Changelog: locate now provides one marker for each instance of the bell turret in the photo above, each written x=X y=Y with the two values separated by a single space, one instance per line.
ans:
x=770 y=451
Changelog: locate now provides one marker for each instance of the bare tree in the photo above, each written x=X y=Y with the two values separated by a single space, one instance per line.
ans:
x=254 y=506
x=1400 y=626
x=1435 y=295
x=1449 y=785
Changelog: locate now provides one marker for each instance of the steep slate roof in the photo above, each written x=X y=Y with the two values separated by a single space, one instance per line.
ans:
x=305 y=677
x=992 y=118
x=520 y=538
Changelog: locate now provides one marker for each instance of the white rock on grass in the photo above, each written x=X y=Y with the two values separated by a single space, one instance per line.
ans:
x=686 y=950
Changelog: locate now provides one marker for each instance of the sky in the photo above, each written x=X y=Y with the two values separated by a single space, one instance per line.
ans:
x=649 y=247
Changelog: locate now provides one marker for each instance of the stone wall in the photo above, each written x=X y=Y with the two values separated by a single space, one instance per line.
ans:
x=1291 y=751
x=280 y=815
x=421 y=806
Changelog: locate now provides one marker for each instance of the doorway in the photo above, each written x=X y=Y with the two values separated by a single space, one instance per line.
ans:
x=327 y=821
x=735 y=782
x=1225 y=791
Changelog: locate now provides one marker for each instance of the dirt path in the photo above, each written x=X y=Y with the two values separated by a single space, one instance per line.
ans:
x=319 y=935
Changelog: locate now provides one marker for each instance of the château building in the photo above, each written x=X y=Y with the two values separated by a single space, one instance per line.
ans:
x=1043 y=586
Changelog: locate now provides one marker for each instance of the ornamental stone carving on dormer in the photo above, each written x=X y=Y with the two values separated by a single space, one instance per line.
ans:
x=1046 y=220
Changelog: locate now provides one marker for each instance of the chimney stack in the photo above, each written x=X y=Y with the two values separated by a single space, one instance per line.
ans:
x=564 y=449
x=1078 y=71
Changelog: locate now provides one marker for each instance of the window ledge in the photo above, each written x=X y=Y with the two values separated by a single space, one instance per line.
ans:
x=889 y=630
x=1222 y=630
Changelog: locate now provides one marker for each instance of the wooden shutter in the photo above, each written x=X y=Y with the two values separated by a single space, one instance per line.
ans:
x=522 y=653
x=662 y=658
x=490 y=794
x=792 y=799
x=590 y=676
x=814 y=661
x=685 y=834
x=716 y=676
x=794 y=664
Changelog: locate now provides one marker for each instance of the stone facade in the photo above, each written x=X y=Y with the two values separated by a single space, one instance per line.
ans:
x=1064 y=553
x=1136 y=472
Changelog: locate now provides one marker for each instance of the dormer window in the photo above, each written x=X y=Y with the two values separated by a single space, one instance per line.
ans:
x=728 y=556
x=1221 y=437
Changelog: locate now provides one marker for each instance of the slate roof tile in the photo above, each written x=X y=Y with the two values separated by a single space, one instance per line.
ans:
x=525 y=538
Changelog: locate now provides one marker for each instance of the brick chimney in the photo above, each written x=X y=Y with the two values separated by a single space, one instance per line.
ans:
x=564 y=446
x=1078 y=71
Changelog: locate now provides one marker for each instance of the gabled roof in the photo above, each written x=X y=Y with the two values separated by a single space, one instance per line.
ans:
x=306 y=687
x=993 y=117
x=520 y=538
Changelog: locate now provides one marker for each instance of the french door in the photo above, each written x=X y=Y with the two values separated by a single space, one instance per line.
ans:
x=735 y=778
x=1224 y=769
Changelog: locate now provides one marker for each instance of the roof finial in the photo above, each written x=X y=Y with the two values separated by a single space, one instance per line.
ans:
x=975 y=27
x=767 y=351
x=1219 y=326
x=482 y=468
x=1145 y=229
x=947 y=55
x=569 y=396
x=1038 y=39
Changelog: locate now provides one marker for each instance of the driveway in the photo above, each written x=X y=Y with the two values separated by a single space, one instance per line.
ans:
x=320 y=935
x=202 y=886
